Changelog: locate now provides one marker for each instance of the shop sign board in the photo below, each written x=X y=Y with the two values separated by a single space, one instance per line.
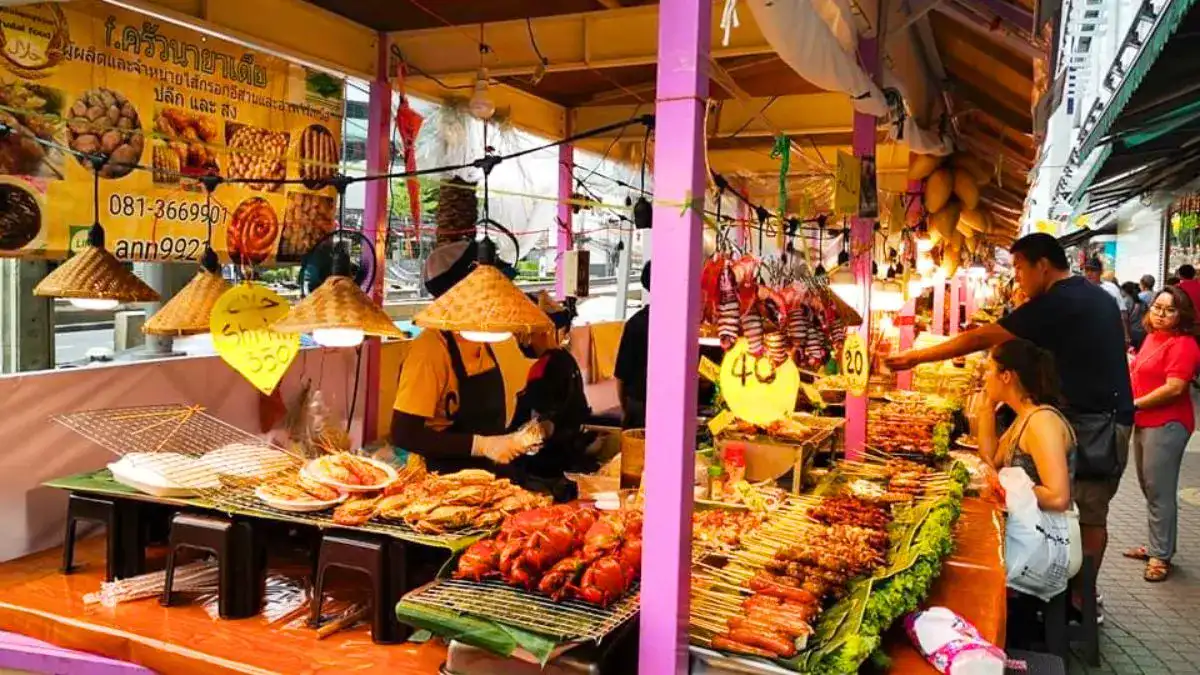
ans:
x=856 y=363
x=755 y=389
x=160 y=105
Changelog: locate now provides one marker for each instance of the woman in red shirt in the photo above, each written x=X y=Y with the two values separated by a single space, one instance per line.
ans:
x=1163 y=422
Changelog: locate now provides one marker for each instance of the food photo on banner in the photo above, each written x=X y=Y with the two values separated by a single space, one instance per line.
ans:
x=161 y=106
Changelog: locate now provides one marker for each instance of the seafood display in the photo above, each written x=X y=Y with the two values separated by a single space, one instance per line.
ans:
x=798 y=319
x=562 y=551
x=345 y=471
x=722 y=528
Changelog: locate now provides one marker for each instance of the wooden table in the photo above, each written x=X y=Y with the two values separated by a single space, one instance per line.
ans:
x=37 y=601
x=972 y=584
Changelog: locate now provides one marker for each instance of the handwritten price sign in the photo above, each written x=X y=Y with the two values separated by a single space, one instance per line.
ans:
x=755 y=389
x=856 y=364
x=241 y=329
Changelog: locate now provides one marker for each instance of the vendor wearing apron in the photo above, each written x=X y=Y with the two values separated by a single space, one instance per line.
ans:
x=455 y=397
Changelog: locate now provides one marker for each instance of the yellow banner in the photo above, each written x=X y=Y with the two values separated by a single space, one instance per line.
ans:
x=848 y=185
x=160 y=105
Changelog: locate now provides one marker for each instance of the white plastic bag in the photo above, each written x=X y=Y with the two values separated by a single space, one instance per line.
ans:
x=1037 y=542
x=952 y=644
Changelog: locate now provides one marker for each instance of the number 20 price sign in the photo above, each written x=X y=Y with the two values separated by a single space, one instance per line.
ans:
x=856 y=365
x=242 y=334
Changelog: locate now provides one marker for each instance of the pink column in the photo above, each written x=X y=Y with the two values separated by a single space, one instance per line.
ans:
x=861 y=233
x=375 y=215
x=566 y=187
x=939 y=307
x=970 y=287
x=955 y=303
x=679 y=177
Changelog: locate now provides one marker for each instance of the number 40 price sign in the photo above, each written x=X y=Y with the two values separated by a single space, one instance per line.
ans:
x=242 y=334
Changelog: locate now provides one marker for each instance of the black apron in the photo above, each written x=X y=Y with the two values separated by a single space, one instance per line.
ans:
x=481 y=408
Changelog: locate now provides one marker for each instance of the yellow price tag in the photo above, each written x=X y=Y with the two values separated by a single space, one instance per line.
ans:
x=721 y=422
x=856 y=364
x=709 y=370
x=241 y=331
x=755 y=389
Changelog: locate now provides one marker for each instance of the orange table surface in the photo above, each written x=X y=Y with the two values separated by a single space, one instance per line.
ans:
x=972 y=583
x=36 y=600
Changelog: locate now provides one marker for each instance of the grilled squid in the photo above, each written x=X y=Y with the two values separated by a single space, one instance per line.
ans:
x=752 y=328
x=727 y=308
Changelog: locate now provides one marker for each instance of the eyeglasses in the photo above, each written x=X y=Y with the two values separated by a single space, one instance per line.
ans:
x=1163 y=310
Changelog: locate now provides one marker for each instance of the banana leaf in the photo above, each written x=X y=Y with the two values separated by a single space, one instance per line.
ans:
x=485 y=634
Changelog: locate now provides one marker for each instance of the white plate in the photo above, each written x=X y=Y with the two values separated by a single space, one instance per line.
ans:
x=164 y=475
x=297 y=506
x=345 y=487
x=963 y=444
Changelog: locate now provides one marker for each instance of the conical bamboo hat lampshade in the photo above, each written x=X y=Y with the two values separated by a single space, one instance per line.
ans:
x=338 y=307
x=484 y=302
x=95 y=279
x=188 y=313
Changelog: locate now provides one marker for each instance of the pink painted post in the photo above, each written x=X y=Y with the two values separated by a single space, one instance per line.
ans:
x=566 y=187
x=939 y=307
x=375 y=214
x=969 y=289
x=862 y=231
x=955 y=303
x=680 y=177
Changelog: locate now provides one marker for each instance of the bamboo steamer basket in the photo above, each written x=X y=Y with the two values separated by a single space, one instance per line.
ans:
x=633 y=457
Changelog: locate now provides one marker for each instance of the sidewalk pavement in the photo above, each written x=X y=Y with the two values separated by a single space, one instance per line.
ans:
x=1150 y=628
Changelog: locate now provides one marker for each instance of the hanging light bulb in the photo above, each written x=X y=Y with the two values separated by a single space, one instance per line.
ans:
x=481 y=105
x=484 y=336
x=916 y=286
x=842 y=283
x=976 y=270
x=338 y=337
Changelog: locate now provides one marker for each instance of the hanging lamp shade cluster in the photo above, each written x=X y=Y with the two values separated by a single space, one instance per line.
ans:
x=189 y=311
x=484 y=303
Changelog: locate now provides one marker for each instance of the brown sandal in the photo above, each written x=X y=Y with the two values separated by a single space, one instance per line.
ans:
x=1157 y=570
x=1139 y=553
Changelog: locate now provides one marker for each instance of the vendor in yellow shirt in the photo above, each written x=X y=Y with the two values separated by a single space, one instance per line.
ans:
x=456 y=397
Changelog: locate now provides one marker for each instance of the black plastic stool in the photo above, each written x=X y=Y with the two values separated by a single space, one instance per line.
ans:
x=240 y=559
x=388 y=562
x=126 y=552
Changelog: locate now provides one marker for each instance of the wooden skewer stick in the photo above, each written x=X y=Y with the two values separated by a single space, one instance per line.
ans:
x=345 y=621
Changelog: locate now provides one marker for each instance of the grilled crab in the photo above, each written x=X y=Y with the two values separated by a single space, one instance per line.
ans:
x=445 y=518
x=480 y=561
x=557 y=582
x=604 y=581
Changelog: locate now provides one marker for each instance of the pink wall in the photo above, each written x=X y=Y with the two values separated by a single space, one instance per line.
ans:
x=34 y=449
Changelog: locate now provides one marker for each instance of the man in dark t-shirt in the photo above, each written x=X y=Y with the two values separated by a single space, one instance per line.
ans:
x=1080 y=324
x=632 y=357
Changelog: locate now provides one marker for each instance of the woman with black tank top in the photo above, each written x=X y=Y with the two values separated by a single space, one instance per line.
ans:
x=1040 y=441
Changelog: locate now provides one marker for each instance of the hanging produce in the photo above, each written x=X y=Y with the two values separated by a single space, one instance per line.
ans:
x=921 y=166
x=966 y=189
x=938 y=189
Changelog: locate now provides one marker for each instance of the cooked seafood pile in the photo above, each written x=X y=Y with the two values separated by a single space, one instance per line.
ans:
x=436 y=504
x=722 y=528
x=562 y=551
x=903 y=427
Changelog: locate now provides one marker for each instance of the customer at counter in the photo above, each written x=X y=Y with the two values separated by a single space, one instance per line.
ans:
x=1080 y=325
x=631 y=366
x=455 y=397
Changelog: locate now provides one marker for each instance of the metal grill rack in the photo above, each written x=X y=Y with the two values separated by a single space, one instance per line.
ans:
x=569 y=620
x=209 y=471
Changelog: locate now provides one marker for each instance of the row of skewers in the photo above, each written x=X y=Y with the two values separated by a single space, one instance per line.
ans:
x=563 y=551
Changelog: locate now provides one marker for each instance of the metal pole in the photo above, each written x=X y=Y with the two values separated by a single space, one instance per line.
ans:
x=862 y=232
x=375 y=217
x=565 y=224
x=939 y=306
x=955 y=303
x=623 y=264
x=156 y=277
x=685 y=33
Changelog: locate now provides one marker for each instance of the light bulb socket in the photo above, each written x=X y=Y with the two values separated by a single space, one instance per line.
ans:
x=341 y=260
x=820 y=270
x=96 y=235
x=208 y=260
x=643 y=214
x=487 y=252
x=843 y=258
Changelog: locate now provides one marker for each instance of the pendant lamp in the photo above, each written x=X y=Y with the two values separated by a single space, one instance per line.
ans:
x=485 y=306
x=93 y=278
x=338 y=313
x=188 y=313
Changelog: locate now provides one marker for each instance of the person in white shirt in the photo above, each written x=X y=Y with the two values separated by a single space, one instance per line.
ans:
x=1093 y=269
